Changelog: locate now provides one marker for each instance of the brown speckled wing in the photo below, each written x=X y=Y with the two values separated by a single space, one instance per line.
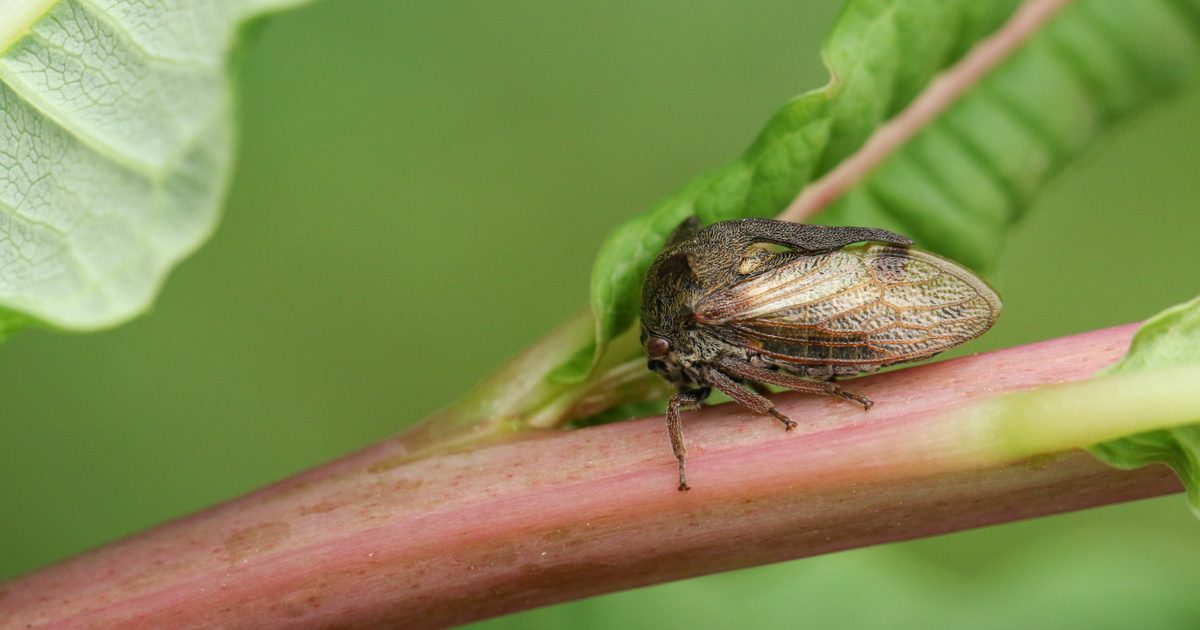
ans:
x=871 y=305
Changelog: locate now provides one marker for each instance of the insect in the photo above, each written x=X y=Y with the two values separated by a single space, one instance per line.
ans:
x=762 y=302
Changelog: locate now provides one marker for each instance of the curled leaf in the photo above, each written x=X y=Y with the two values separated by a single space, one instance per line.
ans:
x=1169 y=339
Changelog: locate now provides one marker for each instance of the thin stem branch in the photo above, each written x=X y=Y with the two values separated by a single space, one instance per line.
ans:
x=942 y=92
x=380 y=537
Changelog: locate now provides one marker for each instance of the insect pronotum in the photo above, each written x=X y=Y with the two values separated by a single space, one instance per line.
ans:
x=763 y=302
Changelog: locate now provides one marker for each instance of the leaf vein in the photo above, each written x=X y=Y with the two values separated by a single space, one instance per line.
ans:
x=72 y=127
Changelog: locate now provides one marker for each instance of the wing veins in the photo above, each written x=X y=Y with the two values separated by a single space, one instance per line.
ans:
x=780 y=292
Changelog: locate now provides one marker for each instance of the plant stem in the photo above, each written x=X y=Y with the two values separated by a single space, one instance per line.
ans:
x=380 y=537
x=941 y=93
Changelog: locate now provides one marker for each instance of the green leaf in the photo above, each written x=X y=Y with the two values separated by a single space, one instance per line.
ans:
x=959 y=184
x=964 y=180
x=116 y=146
x=1169 y=339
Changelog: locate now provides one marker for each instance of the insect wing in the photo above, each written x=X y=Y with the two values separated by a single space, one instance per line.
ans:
x=862 y=306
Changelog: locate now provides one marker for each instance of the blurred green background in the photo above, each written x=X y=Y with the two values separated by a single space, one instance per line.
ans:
x=420 y=191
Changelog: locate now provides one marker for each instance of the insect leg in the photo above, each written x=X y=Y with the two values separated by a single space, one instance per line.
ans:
x=675 y=425
x=827 y=388
x=743 y=396
x=761 y=389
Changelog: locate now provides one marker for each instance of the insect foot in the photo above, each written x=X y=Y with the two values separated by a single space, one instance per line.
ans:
x=683 y=484
x=867 y=403
x=788 y=423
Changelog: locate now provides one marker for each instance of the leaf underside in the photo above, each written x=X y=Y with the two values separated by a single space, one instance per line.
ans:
x=116 y=145
x=961 y=182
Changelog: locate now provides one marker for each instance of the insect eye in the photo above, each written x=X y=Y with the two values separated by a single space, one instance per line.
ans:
x=657 y=346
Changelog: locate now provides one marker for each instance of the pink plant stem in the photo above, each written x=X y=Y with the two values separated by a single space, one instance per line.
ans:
x=935 y=99
x=380 y=538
